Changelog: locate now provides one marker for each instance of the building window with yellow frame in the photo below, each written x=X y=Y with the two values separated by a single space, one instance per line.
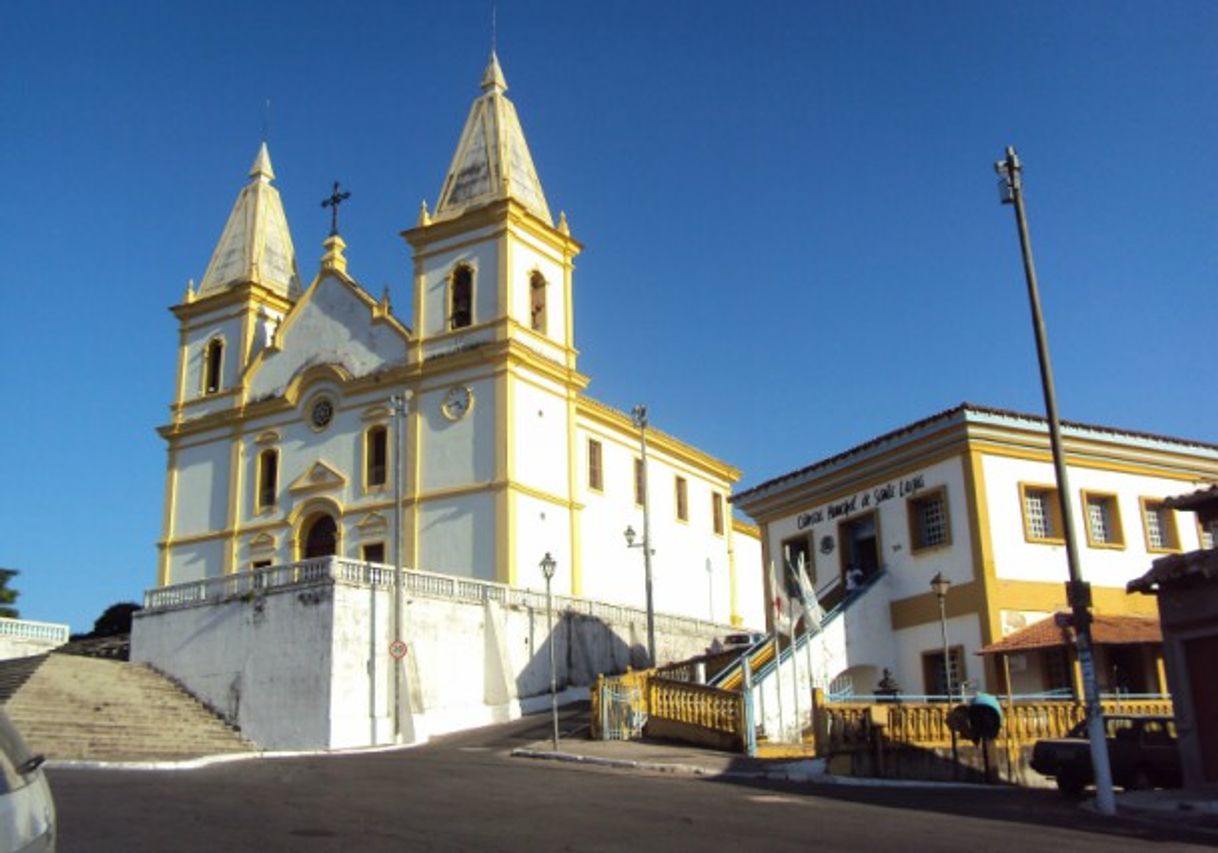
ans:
x=1042 y=513
x=929 y=522
x=537 y=302
x=596 y=471
x=717 y=513
x=640 y=482
x=461 y=297
x=1159 y=524
x=373 y=552
x=376 y=457
x=213 y=364
x=267 y=489
x=1102 y=516
x=681 y=488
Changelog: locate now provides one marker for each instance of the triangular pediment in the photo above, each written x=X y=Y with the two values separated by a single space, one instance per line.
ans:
x=320 y=477
x=262 y=542
x=373 y=522
x=335 y=322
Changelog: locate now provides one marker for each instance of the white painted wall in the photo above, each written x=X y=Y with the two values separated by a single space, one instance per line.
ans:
x=308 y=667
x=528 y=255
x=202 y=490
x=484 y=258
x=1017 y=559
x=540 y=436
x=750 y=588
x=457 y=536
x=457 y=453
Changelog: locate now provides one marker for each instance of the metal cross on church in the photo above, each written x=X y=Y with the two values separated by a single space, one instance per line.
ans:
x=336 y=198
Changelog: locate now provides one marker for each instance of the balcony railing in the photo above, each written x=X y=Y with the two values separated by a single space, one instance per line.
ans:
x=416 y=583
x=43 y=632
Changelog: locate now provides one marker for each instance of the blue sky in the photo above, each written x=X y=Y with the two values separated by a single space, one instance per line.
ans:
x=793 y=234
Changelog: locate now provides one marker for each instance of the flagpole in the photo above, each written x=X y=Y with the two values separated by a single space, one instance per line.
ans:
x=782 y=725
x=805 y=587
x=799 y=732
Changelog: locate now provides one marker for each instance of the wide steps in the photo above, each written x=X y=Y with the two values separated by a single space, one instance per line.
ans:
x=81 y=708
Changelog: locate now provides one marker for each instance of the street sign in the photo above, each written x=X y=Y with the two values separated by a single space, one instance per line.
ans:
x=397 y=649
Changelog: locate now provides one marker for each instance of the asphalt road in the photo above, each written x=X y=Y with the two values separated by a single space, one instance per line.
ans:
x=466 y=793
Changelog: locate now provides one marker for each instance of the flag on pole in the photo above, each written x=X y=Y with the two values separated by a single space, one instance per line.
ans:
x=779 y=608
x=814 y=613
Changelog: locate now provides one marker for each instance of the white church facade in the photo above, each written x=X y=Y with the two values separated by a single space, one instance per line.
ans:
x=310 y=422
x=282 y=438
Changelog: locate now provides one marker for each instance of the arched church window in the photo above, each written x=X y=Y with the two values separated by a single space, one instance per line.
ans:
x=268 y=478
x=376 y=456
x=212 y=360
x=537 y=301
x=461 y=310
x=321 y=537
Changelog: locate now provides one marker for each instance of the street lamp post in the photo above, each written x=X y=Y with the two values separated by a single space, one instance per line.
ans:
x=940 y=585
x=397 y=407
x=547 y=569
x=1078 y=593
x=639 y=416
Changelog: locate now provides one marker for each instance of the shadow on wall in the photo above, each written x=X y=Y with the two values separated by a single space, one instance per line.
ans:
x=584 y=647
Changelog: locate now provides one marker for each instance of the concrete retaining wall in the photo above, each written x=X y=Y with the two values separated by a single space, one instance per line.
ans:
x=309 y=667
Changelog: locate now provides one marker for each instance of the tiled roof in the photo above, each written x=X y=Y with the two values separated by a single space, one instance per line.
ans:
x=1190 y=567
x=960 y=411
x=1194 y=500
x=1105 y=630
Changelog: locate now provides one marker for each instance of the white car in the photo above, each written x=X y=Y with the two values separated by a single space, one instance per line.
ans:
x=27 y=812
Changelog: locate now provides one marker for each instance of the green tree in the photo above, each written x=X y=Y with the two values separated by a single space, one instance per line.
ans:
x=116 y=619
x=8 y=596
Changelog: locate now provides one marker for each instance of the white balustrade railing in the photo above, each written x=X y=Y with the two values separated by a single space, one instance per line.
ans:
x=24 y=629
x=419 y=583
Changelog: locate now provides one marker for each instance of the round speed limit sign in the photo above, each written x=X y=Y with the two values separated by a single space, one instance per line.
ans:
x=397 y=649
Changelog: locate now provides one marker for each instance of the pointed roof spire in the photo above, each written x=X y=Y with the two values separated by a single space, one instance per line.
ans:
x=262 y=165
x=492 y=78
x=255 y=245
x=492 y=160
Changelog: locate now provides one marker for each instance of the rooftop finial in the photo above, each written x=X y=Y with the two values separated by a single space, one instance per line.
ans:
x=424 y=216
x=262 y=164
x=336 y=198
x=493 y=79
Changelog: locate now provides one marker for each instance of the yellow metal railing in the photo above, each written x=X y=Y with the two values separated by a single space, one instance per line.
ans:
x=848 y=725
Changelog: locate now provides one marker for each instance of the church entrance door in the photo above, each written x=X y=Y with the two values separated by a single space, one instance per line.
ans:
x=321 y=537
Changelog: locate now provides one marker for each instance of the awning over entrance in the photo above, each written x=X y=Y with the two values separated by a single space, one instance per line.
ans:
x=1105 y=630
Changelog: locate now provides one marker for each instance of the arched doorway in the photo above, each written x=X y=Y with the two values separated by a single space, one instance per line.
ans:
x=320 y=537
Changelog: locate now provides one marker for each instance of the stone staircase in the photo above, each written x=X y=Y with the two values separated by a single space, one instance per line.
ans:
x=70 y=707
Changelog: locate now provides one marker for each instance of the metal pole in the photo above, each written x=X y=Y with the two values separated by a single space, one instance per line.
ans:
x=1077 y=592
x=640 y=420
x=553 y=672
x=398 y=406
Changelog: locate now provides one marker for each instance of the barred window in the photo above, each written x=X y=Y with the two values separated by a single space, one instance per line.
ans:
x=1103 y=520
x=928 y=520
x=1042 y=515
x=1160 y=526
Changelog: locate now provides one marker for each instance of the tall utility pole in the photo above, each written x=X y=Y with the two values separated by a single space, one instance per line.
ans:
x=1078 y=593
x=640 y=420
x=397 y=406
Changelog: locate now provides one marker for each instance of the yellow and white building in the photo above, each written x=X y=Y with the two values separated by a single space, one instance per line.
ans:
x=967 y=494
x=281 y=442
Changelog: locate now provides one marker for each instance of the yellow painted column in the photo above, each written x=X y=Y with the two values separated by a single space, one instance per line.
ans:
x=1161 y=672
x=236 y=470
x=164 y=571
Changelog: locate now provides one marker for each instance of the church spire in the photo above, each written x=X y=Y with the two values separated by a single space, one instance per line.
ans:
x=492 y=160
x=255 y=246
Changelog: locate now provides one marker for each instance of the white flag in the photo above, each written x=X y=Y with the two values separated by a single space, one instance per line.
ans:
x=812 y=609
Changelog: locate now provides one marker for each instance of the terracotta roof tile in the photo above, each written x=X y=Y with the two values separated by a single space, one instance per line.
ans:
x=1105 y=630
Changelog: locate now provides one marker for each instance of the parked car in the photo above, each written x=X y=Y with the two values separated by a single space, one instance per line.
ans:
x=27 y=812
x=734 y=642
x=1141 y=751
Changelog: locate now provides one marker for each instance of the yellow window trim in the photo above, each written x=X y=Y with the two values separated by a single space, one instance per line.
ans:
x=367 y=488
x=680 y=496
x=912 y=520
x=260 y=507
x=473 y=295
x=1055 y=509
x=1172 y=530
x=1118 y=530
x=717 y=505
x=217 y=338
x=599 y=470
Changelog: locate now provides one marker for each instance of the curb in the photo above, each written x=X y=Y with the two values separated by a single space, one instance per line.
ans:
x=210 y=760
x=799 y=770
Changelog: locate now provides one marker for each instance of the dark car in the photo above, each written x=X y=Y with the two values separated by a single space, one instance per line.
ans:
x=1141 y=751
